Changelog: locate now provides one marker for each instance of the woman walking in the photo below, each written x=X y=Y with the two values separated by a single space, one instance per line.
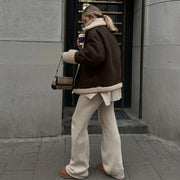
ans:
x=99 y=84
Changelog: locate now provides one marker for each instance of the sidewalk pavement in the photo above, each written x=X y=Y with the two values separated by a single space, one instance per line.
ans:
x=145 y=158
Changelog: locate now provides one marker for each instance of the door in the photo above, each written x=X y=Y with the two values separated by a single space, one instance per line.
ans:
x=122 y=14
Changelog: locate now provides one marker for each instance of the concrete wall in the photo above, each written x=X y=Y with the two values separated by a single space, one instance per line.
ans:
x=31 y=38
x=161 y=85
x=136 y=56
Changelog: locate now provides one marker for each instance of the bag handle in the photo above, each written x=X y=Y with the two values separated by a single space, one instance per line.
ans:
x=60 y=59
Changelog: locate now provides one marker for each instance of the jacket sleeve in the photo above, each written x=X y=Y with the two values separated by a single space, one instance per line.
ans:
x=69 y=57
x=93 y=53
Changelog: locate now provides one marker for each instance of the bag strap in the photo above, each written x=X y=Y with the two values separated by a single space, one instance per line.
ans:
x=60 y=59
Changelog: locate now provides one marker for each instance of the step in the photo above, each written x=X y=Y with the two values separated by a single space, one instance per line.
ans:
x=125 y=124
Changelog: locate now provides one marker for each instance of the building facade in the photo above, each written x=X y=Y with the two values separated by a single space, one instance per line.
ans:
x=32 y=35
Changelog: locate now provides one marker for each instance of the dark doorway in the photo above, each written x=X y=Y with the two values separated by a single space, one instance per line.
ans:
x=122 y=14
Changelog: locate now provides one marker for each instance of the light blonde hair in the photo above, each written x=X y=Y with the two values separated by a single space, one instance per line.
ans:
x=88 y=11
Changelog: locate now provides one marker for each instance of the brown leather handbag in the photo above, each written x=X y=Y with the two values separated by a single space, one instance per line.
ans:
x=60 y=82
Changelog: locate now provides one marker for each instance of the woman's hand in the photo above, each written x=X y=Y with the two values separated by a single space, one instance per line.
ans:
x=61 y=53
x=78 y=44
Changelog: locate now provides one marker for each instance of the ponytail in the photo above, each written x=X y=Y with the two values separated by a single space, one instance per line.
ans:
x=110 y=24
x=96 y=11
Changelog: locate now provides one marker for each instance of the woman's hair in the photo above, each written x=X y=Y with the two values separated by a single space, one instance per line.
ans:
x=97 y=12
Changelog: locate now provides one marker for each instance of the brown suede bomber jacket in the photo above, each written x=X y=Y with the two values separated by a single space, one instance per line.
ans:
x=100 y=62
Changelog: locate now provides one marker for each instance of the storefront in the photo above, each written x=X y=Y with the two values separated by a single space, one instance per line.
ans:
x=32 y=35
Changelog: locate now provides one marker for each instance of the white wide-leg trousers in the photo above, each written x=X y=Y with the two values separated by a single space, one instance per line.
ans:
x=110 y=144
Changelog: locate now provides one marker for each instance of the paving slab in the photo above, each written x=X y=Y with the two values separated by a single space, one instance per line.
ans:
x=17 y=175
x=161 y=160
x=132 y=153
x=2 y=165
x=145 y=172
x=27 y=147
x=145 y=157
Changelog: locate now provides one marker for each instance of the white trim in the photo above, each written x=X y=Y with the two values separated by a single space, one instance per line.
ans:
x=95 y=23
x=69 y=57
x=98 y=89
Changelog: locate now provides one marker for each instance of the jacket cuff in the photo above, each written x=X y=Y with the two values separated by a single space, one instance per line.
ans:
x=69 y=57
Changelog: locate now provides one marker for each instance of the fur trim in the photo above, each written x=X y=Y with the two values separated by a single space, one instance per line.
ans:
x=98 y=89
x=94 y=23
x=69 y=57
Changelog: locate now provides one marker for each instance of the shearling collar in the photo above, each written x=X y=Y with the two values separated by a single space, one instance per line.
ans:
x=94 y=23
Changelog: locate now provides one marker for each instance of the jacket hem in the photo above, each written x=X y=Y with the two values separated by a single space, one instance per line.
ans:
x=97 y=89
